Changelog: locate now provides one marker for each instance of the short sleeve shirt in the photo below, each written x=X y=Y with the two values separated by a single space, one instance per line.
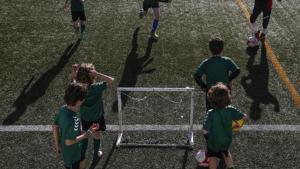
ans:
x=92 y=108
x=218 y=123
x=69 y=129
x=216 y=69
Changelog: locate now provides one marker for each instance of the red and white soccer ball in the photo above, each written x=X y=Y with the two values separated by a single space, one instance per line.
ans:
x=200 y=156
x=252 y=41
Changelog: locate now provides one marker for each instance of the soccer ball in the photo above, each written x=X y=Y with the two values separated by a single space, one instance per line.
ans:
x=237 y=124
x=252 y=41
x=200 y=156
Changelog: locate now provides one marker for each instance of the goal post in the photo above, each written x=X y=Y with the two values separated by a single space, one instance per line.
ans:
x=189 y=127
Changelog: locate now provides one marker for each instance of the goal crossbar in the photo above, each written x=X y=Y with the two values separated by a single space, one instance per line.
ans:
x=190 y=136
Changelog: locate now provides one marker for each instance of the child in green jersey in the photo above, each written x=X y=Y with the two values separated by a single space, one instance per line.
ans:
x=78 y=15
x=92 y=109
x=216 y=69
x=66 y=129
x=217 y=126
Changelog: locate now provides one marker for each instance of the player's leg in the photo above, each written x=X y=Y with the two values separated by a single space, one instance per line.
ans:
x=98 y=154
x=266 y=19
x=212 y=162
x=156 y=13
x=75 y=21
x=82 y=164
x=82 y=19
x=228 y=159
x=144 y=10
x=254 y=27
x=84 y=143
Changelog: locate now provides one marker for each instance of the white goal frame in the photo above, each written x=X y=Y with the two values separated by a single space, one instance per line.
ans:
x=189 y=128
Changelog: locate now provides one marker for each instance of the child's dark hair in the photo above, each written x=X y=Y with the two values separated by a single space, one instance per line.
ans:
x=74 y=92
x=83 y=74
x=216 y=46
x=219 y=96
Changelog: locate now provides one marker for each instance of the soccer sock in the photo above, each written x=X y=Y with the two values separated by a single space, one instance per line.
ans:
x=265 y=31
x=254 y=27
x=84 y=145
x=96 y=149
x=154 y=25
x=82 y=28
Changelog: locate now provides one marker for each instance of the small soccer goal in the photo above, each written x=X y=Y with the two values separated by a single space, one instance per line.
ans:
x=155 y=117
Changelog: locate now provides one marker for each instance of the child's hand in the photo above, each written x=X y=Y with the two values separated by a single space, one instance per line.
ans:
x=94 y=127
x=75 y=68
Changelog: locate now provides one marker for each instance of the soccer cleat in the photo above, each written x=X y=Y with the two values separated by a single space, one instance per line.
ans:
x=257 y=34
x=153 y=35
x=262 y=37
x=100 y=154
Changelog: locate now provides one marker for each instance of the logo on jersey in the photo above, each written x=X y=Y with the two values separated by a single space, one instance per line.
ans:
x=76 y=123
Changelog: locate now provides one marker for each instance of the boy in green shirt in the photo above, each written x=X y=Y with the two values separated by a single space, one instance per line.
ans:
x=66 y=129
x=78 y=15
x=92 y=110
x=216 y=69
x=217 y=126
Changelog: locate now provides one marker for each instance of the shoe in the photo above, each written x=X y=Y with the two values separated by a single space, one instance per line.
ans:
x=257 y=35
x=100 y=154
x=141 y=13
x=153 y=35
x=262 y=37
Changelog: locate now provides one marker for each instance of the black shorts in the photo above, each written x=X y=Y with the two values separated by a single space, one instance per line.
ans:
x=218 y=154
x=87 y=124
x=146 y=6
x=78 y=15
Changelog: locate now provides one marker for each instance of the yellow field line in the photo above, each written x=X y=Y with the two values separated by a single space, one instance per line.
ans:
x=272 y=57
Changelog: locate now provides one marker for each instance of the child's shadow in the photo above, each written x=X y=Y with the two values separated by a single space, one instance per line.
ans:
x=256 y=83
x=39 y=87
x=134 y=66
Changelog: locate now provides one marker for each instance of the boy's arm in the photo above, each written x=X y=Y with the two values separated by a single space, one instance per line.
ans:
x=199 y=74
x=55 y=131
x=200 y=81
x=85 y=135
x=109 y=80
x=234 y=74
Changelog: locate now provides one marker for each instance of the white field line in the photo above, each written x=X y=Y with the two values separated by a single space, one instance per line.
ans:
x=141 y=127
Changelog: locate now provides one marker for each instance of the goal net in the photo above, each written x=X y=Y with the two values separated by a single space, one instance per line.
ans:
x=155 y=117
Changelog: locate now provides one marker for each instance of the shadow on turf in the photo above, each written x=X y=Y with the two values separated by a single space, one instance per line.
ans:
x=38 y=89
x=256 y=83
x=134 y=66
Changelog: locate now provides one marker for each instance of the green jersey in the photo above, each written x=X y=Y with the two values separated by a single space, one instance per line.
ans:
x=218 y=123
x=77 y=6
x=92 y=107
x=69 y=129
x=216 y=69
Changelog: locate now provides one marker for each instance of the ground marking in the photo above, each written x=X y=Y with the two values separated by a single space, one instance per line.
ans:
x=273 y=58
x=141 y=127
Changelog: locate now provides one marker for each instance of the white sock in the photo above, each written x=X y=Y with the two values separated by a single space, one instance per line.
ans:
x=254 y=27
x=265 y=31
